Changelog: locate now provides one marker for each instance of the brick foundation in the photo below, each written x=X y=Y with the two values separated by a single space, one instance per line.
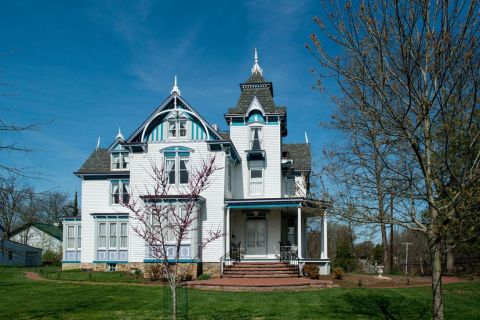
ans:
x=211 y=268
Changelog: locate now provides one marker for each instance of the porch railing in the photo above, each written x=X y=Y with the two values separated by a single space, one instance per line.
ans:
x=291 y=257
x=227 y=260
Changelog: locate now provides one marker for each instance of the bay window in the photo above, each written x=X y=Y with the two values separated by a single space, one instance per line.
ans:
x=112 y=240
x=72 y=237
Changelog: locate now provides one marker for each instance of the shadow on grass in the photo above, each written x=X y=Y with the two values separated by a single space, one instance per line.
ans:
x=386 y=305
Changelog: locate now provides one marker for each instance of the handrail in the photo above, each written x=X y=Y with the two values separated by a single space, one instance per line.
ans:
x=291 y=257
x=226 y=260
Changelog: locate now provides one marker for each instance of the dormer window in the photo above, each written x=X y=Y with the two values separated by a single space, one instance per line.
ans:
x=120 y=161
x=177 y=129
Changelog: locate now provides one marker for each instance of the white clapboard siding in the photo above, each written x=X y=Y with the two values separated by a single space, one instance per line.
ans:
x=240 y=135
x=141 y=183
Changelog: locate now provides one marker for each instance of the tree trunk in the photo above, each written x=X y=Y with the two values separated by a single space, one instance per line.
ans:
x=390 y=252
x=174 y=303
x=450 y=260
x=437 y=280
x=383 y=228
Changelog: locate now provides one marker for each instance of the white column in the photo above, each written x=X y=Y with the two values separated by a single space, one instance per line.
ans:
x=324 y=244
x=227 y=231
x=299 y=232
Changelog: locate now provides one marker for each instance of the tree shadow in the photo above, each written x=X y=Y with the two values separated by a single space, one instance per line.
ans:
x=386 y=306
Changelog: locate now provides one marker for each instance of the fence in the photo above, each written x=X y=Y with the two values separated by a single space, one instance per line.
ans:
x=182 y=303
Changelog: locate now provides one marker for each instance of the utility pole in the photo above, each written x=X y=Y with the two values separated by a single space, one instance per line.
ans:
x=406 y=255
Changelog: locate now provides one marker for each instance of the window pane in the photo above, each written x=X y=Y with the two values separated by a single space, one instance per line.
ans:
x=171 y=170
x=113 y=229
x=101 y=229
x=79 y=231
x=183 y=171
x=71 y=230
x=115 y=192
x=115 y=161
x=172 y=129
x=256 y=174
x=183 y=128
x=125 y=192
x=126 y=160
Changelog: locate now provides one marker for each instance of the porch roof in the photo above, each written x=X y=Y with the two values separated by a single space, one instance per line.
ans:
x=274 y=203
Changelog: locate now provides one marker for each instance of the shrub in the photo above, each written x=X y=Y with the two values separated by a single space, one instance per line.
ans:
x=154 y=271
x=51 y=258
x=311 y=271
x=337 y=273
x=186 y=275
x=203 y=276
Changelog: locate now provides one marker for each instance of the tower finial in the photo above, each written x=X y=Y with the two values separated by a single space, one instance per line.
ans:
x=175 y=88
x=120 y=135
x=256 y=67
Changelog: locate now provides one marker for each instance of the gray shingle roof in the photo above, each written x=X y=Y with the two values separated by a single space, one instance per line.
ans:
x=225 y=135
x=300 y=154
x=263 y=90
x=98 y=162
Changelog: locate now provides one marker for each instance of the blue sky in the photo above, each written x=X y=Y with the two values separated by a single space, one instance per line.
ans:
x=83 y=69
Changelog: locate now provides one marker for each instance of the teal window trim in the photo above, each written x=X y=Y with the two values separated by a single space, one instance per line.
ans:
x=70 y=261
x=110 y=261
x=273 y=205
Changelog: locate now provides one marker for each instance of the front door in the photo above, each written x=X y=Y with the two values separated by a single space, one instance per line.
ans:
x=256 y=235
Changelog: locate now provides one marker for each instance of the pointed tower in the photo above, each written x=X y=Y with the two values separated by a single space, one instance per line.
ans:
x=257 y=126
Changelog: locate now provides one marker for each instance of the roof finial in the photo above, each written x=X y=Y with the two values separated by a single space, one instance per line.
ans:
x=175 y=88
x=256 y=67
x=120 y=135
x=98 y=143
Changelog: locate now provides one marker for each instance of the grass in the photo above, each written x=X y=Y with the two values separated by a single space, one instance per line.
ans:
x=25 y=299
x=55 y=273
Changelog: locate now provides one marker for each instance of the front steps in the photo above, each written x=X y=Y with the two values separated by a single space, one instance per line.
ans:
x=260 y=270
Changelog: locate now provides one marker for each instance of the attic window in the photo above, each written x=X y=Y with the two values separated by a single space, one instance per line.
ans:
x=120 y=161
x=177 y=129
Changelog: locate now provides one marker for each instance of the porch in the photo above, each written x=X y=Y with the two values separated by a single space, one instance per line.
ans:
x=262 y=230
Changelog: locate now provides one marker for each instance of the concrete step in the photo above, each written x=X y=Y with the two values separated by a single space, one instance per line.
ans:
x=255 y=269
x=275 y=275
x=259 y=265
x=267 y=273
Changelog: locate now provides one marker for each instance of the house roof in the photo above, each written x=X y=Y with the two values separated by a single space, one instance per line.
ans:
x=98 y=163
x=300 y=154
x=256 y=86
x=49 y=229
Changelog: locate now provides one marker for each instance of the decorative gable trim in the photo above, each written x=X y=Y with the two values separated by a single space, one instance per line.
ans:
x=255 y=105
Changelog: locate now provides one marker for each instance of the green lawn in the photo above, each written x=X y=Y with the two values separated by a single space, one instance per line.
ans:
x=21 y=298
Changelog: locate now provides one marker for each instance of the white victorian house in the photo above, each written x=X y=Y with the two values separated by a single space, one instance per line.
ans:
x=259 y=198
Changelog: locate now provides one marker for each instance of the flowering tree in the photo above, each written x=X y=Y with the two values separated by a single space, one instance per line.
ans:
x=168 y=215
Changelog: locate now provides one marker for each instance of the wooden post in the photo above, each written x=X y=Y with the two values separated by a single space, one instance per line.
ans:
x=299 y=232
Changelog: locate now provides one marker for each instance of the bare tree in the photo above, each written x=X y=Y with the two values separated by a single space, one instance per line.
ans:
x=416 y=77
x=54 y=205
x=165 y=224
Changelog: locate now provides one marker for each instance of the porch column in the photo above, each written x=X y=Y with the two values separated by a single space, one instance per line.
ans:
x=227 y=231
x=324 y=245
x=299 y=232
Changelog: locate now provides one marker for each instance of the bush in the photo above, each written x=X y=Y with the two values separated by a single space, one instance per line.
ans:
x=337 y=273
x=186 y=275
x=51 y=258
x=344 y=258
x=311 y=271
x=203 y=276
x=154 y=271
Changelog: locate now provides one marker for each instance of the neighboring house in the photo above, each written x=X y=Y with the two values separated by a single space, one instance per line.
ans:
x=259 y=197
x=39 y=235
x=17 y=254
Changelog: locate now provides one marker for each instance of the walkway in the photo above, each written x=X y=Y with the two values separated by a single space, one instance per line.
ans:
x=260 y=284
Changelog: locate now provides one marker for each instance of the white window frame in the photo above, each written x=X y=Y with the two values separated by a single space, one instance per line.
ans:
x=177 y=129
x=290 y=182
x=251 y=191
x=177 y=161
x=229 y=176
x=251 y=135
x=123 y=162
x=123 y=236
x=102 y=236
x=79 y=237
x=121 y=194
x=71 y=237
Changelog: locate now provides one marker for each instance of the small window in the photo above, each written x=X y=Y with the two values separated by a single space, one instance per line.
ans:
x=120 y=161
x=183 y=172
x=71 y=237
x=112 y=267
x=79 y=237
x=115 y=161
x=256 y=181
x=113 y=236
x=290 y=186
x=183 y=128
x=170 y=169
x=123 y=235
x=172 y=129
x=102 y=238
x=119 y=190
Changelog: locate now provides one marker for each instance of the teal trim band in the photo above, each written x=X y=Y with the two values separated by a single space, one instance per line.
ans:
x=273 y=205
x=70 y=261
x=169 y=154
x=170 y=260
x=109 y=261
x=72 y=219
